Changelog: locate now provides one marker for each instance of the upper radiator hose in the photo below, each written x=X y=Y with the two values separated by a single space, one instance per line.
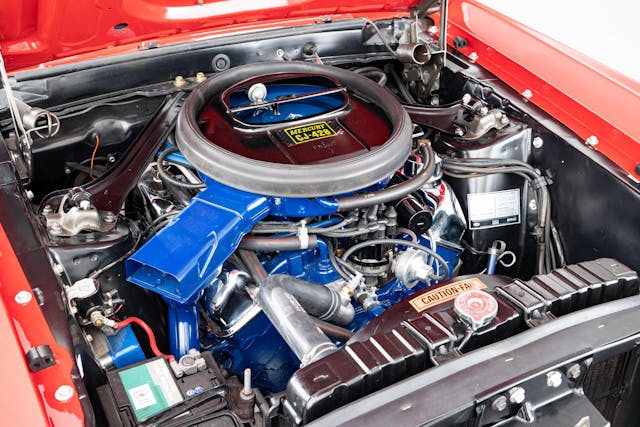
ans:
x=287 y=301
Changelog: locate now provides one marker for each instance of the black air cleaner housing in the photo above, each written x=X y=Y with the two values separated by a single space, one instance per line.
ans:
x=293 y=129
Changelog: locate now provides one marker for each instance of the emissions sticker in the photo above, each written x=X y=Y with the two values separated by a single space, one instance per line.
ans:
x=495 y=209
x=309 y=132
x=445 y=293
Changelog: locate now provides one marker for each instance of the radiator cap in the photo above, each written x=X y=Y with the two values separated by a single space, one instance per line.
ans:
x=476 y=308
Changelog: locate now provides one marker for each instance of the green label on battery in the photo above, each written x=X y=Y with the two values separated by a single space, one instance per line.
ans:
x=151 y=388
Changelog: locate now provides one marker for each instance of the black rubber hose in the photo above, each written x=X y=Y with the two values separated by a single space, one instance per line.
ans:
x=274 y=244
x=380 y=75
x=400 y=242
x=166 y=176
x=336 y=333
x=253 y=265
x=317 y=300
x=396 y=191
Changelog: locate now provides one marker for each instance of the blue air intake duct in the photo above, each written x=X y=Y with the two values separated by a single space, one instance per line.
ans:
x=281 y=139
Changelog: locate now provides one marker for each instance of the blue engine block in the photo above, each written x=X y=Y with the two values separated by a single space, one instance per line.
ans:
x=260 y=347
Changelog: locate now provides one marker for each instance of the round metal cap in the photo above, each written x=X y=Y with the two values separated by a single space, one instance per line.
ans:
x=475 y=307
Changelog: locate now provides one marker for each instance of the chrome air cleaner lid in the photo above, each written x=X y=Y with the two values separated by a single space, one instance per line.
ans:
x=293 y=129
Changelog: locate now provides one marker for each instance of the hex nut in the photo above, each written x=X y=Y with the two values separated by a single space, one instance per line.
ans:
x=554 y=379
x=516 y=395
x=499 y=404
x=574 y=371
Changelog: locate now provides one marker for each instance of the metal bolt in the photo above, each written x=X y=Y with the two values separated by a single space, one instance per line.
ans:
x=47 y=210
x=109 y=217
x=433 y=30
x=473 y=56
x=67 y=170
x=200 y=77
x=280 y=53
x=527 y=93
x=246 y=389
x=592 y=141
x=554 y=379
x=55 y=228
x=574 y=371
x=23 y=297
x=504 y=119
x=442 y=350
x=499 y=403
x=84 y=205
x=459 y=131
x=533 y=205
x=111 y=158
x=537 y=142
x=29 y=194
x=179 y=81
x=63 y=393
x=516 y=395
x=483 y=111
x=58 y=269
x=89 y=338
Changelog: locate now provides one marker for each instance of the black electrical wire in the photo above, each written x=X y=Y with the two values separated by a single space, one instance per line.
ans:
x=404 y=92
x=104 y=268
x=399 y=242
x=334 y=261
x=546 y=253
x=384 y=41
x=158 y=223
x=166 y=176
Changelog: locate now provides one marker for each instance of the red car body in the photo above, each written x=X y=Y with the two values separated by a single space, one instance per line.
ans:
x=588 y=97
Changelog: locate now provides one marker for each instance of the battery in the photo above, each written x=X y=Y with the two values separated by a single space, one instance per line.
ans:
x=148 y=391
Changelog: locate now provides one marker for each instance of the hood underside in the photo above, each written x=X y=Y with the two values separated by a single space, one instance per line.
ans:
x=36 y=31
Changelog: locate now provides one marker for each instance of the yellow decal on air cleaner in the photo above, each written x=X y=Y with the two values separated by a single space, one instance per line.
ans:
x=445 y=293
x=310 y=132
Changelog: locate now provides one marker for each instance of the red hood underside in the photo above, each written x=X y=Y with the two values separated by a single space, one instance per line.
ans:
x=36 y=31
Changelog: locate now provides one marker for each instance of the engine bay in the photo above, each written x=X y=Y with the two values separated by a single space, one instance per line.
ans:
x=261 y=232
